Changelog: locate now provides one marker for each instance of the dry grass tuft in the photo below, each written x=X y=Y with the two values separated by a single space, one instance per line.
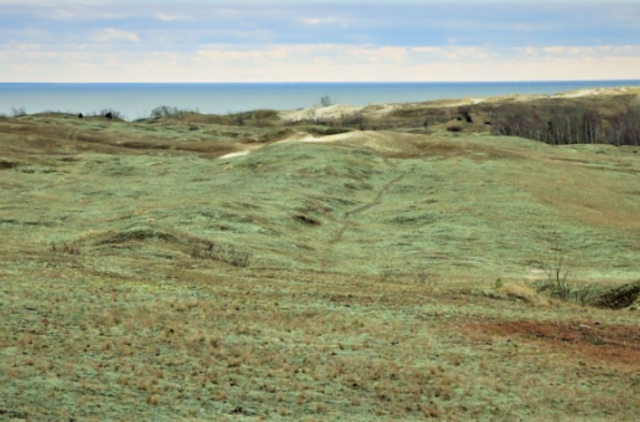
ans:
x=522 y=291
x=225 y=253
x=67 y=248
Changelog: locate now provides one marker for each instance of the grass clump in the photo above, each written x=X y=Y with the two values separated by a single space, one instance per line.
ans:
x=67 y=248
x=520 y=291
x=225 y=253
x=584 y=295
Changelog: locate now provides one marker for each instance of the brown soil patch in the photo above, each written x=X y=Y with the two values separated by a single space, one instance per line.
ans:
x=590 y=340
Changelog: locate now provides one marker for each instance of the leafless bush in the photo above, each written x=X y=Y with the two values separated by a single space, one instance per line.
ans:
x=326 y=101
x=557 y=284
x=18 y=111
x=164 y=111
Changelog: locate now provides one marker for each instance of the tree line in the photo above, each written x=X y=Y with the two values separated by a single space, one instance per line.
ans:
x=566 y=124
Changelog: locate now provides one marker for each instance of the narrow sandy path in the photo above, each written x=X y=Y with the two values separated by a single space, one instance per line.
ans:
x=376 y=201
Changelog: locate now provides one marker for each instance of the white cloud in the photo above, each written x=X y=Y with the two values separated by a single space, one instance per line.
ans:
x=592 y=51
x=553 y=50
x=580 y=51
x=112 y=34
x=27 y=47
x=326 y=21
x=625 y=49
x=317 y=62
x=453 y=52
x=430 y=50
x=373 y=55
x=328 y=53
x=219 y=54
x=529 y=51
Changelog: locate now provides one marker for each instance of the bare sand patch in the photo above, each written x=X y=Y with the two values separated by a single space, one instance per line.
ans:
x=318 y=113
x=385 y=143
x=595 y=92
x=235 y=154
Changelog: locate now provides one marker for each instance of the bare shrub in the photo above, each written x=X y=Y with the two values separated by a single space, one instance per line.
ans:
x=18 y=111
x=558 y=286
x=326 y=101
x=164 y=111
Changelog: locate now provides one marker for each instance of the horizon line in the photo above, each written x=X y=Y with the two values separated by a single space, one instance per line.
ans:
x=321 y=82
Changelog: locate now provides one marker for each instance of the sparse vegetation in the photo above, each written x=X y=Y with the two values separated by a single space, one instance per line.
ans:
x=18 y=111
x=253 y=118
x=320 y=130
x=355 y=279
x=333 y=125
x=165 y=111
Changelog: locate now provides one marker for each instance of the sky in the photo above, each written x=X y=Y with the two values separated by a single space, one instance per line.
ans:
x=318 y=41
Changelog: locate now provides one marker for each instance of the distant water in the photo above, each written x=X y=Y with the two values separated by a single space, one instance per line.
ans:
x=137 y=100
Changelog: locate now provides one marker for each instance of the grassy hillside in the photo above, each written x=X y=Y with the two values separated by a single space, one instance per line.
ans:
x=396 y=274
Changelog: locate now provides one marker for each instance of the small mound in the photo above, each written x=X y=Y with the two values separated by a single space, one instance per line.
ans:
x=139 y=233
x=195 y=247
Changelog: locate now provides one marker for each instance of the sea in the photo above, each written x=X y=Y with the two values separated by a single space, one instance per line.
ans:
x=136 y=100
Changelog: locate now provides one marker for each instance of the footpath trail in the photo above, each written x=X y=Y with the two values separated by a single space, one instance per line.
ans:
x=376 y=201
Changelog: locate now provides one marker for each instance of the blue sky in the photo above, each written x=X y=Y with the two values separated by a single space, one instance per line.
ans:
x=291 y=41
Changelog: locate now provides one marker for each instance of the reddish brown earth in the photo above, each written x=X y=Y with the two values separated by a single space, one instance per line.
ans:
x=618 y=345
